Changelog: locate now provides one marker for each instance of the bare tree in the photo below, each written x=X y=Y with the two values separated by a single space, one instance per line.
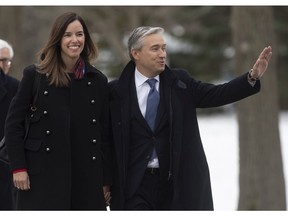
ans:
x=10 y=18
x=114 y=23
x=28 y=27
x=261 y=179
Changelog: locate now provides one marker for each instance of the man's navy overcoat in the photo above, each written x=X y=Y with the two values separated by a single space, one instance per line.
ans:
x=189 y=168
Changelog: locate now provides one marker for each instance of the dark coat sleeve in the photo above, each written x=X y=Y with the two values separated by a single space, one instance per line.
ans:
x=207 y=95
x=14 y=125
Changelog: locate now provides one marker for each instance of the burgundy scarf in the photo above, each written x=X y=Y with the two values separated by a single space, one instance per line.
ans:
x=79 y=68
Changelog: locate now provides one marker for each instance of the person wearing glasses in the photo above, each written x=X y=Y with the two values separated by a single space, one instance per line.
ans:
x=6 y=55
x=8 y=88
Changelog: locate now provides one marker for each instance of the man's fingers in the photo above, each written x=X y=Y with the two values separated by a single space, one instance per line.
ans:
x=269 y=56
x=266 y=53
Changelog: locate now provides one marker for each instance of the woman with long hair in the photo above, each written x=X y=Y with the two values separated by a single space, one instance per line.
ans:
x=63 y=163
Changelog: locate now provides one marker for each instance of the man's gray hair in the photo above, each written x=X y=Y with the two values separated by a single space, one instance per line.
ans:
x=137 y=35
x=5 y=44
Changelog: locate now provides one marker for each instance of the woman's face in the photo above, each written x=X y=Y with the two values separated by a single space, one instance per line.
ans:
x=72 y=42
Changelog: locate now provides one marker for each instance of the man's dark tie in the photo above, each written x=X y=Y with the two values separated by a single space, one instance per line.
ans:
x=151 y=107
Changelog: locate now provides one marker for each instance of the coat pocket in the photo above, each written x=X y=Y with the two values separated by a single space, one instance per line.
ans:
x=34 y=157
x=33 y=144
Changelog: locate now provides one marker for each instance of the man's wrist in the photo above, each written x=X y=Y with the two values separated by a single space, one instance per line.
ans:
x=250 y=77
x=252 y=80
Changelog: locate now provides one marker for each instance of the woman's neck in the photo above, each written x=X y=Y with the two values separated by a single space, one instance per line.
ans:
x=69 y=64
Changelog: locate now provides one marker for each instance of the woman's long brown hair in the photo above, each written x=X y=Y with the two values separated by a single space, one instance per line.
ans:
x=49 y=57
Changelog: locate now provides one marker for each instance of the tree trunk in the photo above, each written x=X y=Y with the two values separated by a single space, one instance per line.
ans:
x=11 y=31
x=261 y=178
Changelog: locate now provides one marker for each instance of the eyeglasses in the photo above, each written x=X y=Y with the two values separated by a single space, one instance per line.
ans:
x=6 y=61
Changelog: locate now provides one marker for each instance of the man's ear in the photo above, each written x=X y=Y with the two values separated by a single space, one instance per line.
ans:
x=135 y=53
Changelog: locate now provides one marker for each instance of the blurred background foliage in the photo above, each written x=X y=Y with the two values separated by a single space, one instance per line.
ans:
x=199 y=38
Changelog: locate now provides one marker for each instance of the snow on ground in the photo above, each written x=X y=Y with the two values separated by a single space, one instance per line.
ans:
x=219 y=135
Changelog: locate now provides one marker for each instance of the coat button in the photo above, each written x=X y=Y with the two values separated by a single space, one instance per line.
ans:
x=93 y=158
x=94 y=121
x=94 y=141
x=45 y=92
x=48 y=132
x=92 y=101
x=47 y=149
x=45 y=112
x=89 y=83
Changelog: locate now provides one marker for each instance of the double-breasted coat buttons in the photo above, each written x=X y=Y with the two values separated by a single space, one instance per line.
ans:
x=94 y=121
x=94 y=141
x=48 y=132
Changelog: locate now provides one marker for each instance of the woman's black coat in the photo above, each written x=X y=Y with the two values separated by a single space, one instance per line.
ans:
x=67 y=151
x=190 y=172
